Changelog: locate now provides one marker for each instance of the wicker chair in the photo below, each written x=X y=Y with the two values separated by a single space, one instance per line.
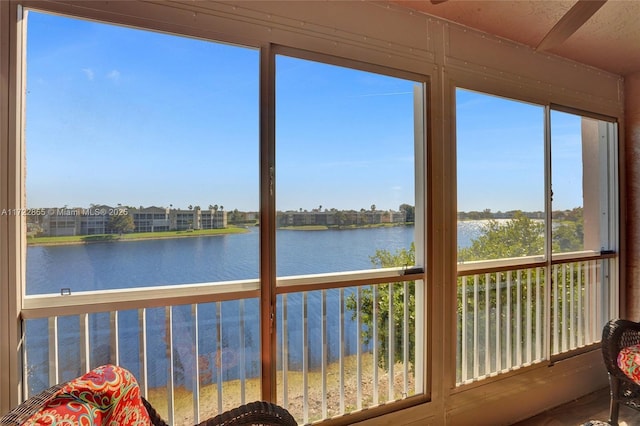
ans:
x=618 y=334
x=251 y=414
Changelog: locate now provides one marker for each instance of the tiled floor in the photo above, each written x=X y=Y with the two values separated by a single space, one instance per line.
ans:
x=594 y=406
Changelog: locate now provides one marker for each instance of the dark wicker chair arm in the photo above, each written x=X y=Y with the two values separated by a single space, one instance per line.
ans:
x=253 y=413
x=618 y=334
x=28 y=408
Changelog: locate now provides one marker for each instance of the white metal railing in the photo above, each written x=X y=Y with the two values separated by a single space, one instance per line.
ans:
x=191 y=361
x=513 y=317
x=333 y=365
x=195 y=360
x=65 y=302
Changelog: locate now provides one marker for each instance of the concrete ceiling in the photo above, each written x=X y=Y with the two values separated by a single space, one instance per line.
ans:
x=608 y=40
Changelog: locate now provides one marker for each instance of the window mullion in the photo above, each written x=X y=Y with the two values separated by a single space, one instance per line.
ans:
x=549 y=276
x=267 y=223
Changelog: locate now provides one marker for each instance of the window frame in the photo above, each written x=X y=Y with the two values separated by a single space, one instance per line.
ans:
x=286 y=285
x=549 y=259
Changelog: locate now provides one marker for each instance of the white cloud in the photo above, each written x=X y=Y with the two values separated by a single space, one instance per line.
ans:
x=114 y=75
x=88 y=72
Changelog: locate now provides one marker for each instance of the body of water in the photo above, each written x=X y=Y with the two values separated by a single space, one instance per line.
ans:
x=101 y=266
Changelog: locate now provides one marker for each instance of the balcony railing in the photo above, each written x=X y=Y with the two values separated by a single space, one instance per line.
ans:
x=195 y=349
x=513 y=316
x=194 y=360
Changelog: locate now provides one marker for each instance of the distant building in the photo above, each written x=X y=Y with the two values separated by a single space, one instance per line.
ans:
x=151 y=219
x=213 y=219
x=58 y=222
x=331 y=217
x=62 y=222
x=65 y=221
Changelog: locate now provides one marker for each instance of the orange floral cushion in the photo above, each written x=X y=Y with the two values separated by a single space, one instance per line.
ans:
x=107 y=395
x=629 y=362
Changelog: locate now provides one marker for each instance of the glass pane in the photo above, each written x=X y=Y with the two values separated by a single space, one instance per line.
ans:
x=580 y=180
x=142 y=137
x=584 y=215
x=345 y=161
x=346 y=148
x=500 y=172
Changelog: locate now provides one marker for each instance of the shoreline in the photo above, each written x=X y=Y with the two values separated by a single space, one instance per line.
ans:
x=142 y=236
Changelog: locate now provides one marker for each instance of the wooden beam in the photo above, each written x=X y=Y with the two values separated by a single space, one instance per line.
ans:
x=570 y=22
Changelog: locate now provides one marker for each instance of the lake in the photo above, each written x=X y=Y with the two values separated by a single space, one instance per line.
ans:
x=100 y=266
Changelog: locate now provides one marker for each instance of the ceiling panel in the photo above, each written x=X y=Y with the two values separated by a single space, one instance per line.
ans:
x=609 y=40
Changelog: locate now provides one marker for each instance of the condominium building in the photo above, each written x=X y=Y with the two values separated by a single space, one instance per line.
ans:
x=58 y=222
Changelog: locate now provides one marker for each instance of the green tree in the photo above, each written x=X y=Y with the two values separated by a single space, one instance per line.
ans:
x=516 y=237
x=340 y=218
x=575 y=215
x=523 y=236
x=568 y=234
x=120 y=224
x=409 y=211
x=374 y=306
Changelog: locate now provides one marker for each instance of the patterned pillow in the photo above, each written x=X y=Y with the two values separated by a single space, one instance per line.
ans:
x=107 y=395
x=629 y=362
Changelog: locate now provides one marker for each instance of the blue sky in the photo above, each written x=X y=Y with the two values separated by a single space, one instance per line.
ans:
x=148 y=119
x=122 y=116
x=500 y=155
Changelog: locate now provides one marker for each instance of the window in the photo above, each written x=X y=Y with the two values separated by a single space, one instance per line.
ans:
x=124 y=123
x=582 y=175
x=135 y=139
x=500 y=155
x=347 y=145
x=143 y=161
x=537 y=277
x=584 y=212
